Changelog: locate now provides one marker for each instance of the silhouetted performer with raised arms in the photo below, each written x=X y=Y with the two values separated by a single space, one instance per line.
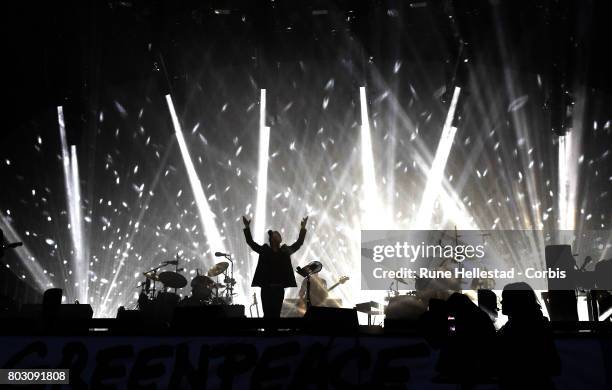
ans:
x=274 y=271
x=526 y=347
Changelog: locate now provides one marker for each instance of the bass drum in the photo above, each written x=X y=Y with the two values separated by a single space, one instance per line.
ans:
x=193 y=301
x=201 y=293
x=221 y=301
x=167 y=299
x=164 y=305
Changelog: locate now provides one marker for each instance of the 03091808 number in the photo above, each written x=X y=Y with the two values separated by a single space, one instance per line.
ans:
x=33 y=376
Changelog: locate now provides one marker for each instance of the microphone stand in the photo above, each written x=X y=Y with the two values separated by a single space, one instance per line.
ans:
x=254 y=304
x=154 y=272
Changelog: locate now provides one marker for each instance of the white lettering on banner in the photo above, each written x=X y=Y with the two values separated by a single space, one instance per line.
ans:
x=212 y=362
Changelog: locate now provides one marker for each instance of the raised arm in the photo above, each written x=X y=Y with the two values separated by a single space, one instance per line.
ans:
x=300 y=241
x=249 y=238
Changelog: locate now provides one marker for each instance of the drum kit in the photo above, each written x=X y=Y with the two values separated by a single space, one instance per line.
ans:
x=204 y=289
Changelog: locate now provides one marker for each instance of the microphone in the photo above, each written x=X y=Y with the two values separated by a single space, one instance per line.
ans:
x=219 y=254
x=12 y=245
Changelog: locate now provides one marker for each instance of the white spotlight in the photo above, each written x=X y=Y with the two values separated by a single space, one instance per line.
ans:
x=207 y=218
x=436 y=173
x=76 y=220
x=568 y=174
x=73 y=198
x=27 y=258
x=262 y=170
x=373 y=214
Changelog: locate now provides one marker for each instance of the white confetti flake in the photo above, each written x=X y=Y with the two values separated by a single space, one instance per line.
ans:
x=518 y=103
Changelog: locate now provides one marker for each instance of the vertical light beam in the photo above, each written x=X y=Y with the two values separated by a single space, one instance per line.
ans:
x=436 y=173
x=39 y=275
x=73 y=200
x=371 y=209
x=80 y=261
x=262 y=170
x=207 y=218
x=568 y=174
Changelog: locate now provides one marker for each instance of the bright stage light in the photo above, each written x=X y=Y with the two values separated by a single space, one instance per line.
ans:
x=207 y=218
x=436 y=173
x=262 y=170
x=41 y=279
x=568 y=176
x=372 y=210
x=393 y=176
x=80 y=265
x=81 y=262
x=262 y=179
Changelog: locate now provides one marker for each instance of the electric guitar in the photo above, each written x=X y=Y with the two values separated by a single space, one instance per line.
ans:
x=340 y=281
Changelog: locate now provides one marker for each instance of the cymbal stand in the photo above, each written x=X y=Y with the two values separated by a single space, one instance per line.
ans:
x=229 y=281
x=154 y=271
x=176 y=268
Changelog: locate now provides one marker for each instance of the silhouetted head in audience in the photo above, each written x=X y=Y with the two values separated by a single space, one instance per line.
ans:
x=52 y=297
x=466 y=312
x=466 y=348
x=528 y=355
x=520 y=301
x=487 y=301
x=460 y=305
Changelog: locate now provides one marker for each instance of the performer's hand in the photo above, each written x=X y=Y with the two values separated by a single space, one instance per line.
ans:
x=247 y=222
x=303 y=224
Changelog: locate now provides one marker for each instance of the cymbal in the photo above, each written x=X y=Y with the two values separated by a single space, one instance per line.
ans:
x=172 y=279
x=218 y=268
x=400 y=280
x=151 y=275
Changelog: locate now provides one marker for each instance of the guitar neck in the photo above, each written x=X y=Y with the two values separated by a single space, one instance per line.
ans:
x=333 y=286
